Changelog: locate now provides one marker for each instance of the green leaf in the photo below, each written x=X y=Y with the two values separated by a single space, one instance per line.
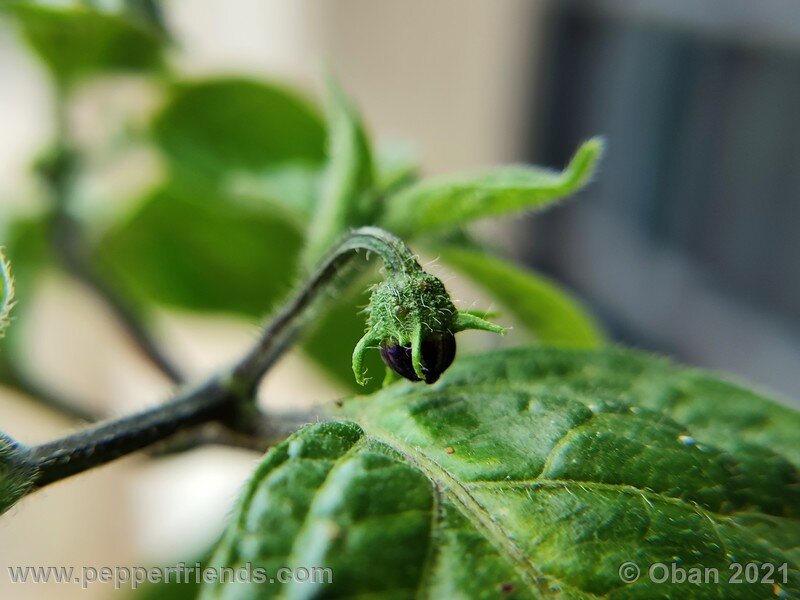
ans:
x=532 y=472
x=396 y=166
x=210 y=129
x=451 y=200
x=346 y=199
x=200 y=252
x=293 y=188
x=547 y=312
x=16 y=472
x=77 y=40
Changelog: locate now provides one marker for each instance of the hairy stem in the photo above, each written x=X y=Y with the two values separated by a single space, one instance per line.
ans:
x=281 y=331
x=227 y=397
x=107 y=441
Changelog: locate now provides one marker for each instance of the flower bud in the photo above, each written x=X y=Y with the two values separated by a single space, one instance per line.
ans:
x=438 y=352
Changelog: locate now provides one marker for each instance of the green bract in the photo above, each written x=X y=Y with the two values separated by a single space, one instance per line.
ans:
x=534 y=473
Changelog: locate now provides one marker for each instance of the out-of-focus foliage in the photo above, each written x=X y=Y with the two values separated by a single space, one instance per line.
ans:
x=444 y=202
x=202 y=252
x=76 y=40
x=538 y=303
x=26 y=245
x=211 y=129
x=347 y=198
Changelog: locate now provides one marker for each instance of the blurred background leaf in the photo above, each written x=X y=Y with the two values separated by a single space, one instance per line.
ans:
x=77 y=40
x=292 y=187
x=202 y=253
x=543 y=307
x=6 y=292
x=210 y=129
x=347 y=197
x=396 y=165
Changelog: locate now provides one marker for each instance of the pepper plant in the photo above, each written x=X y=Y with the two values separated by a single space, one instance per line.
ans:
x=532 y=472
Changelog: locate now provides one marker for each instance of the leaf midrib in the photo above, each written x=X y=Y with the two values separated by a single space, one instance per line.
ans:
x=475 y=513
x=447 y=485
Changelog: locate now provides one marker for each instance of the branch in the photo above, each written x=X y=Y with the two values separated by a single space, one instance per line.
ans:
x=16 y=378
x=268 y=430
x=58 y=169
x=72 y=251
x=226 y=398
x=107 y=441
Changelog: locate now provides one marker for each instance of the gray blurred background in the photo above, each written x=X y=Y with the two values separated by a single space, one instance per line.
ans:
x=687 y=243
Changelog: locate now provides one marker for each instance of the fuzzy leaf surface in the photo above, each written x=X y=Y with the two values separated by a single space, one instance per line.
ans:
x=529 y=473
x=451 y=200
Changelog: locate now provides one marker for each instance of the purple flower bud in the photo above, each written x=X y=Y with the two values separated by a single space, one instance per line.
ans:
x=438 y=352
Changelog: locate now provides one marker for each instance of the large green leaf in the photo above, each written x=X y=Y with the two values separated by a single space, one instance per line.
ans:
x=202 y=253
x=450 y=200
x=534 y=473
x=548 y=313
x=210 y=129
x=77 y=40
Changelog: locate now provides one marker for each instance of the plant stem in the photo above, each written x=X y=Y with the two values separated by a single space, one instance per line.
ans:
x=72 y=250
x=59 y=170
x=15 y=377
x=107 y=441
x=268 y=430
x=281 y=331
x=228 y=397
